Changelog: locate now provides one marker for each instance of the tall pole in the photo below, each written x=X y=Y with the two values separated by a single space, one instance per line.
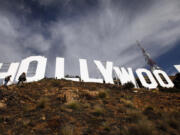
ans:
x=149 y=61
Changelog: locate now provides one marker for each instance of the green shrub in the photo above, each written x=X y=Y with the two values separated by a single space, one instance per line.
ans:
x=67 y=130
x=42 y=102
x=1 y=119
x=106 y=126
x=173 y=120
x=143 y=127
x=169 y=122
x=102 y=94
x=29 y=107
x=56 y=83
x=127 y=103
x=98 y=110
x=128 y=86
x=169 y=90
x=173 y=123
x=151 y=114
x=127 y=97
x=74 y=105
x=134 y=117
x=86 y=105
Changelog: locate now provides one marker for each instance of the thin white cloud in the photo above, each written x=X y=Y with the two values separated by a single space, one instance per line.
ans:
x=17 y=40
x=108 y=33
x=37 y=42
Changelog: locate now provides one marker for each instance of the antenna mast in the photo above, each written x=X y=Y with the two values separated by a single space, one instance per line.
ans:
x=149 y=61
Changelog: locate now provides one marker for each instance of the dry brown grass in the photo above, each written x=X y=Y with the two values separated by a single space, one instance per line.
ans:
x=98 y=110
x=75 y=105
x=103 y=94
x=95 y=109
x=43 y=102
x=67 y=130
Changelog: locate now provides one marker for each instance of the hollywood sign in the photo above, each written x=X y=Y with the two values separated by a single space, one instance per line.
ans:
x=124 y=74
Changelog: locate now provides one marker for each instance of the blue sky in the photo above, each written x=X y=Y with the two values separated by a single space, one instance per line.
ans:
x=91 y=29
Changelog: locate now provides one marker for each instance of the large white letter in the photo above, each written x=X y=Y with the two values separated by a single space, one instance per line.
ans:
x=153 y=84
x=40 y=71
x=158 y=74
x=177 y=67
x=106 y=72
x=60 y=70
x=11 y=71
x=85 y=74
x=125 y=76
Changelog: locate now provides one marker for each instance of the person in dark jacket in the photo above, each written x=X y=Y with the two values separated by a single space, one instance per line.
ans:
x=6 y=80
x=22 y=78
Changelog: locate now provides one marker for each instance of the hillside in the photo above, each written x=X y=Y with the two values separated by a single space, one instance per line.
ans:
x=60 y=107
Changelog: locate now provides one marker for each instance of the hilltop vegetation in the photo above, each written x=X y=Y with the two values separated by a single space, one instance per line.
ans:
x=60 y=107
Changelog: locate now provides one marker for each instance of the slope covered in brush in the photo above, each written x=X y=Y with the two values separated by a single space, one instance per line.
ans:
x=59 y=107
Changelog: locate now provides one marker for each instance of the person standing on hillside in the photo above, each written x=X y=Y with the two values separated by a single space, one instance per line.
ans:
x=6 y=80
x=22 y=78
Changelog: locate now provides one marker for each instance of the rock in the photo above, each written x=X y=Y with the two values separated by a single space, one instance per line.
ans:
x=135 y=91
x=2 y=105
x=43 y=117
x=68 y=95
x=22 y=102
x=91 y=93
x=68 y=110
x=26 y=122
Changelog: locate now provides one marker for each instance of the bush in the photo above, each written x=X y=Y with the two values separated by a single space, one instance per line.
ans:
x=1 y=119
x=74 y=105
x=142 y=128
x=106 y=126
x=127 y=103
x=134 y=116
x=151 y=114
x=177 y=80
x=1 y=94
x=102 y=94
x=67 y=130
x=98 y=111
x=170 y=90
x=173 y=120
x=128 y=86
x=169 y=122
x=56 y=83
x=127 y=97
x=42 y=102
x=29 y=107
x=173 y=123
